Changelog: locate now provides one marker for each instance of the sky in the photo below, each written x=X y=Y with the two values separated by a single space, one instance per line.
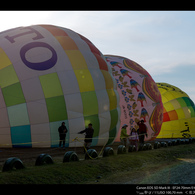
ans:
x=162 y=42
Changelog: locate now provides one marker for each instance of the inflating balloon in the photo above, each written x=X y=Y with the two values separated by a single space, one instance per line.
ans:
x=50 y=74
x=140 y=98
x=178 y=113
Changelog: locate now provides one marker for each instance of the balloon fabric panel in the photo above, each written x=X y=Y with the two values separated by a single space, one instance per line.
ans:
x=51 y=85
x=8 y=76
x=13 y=94
x=90 y=103
x=4 y=60
x=76 y=59
x=21 y=136
x=67 y=43
x=85 y=80
x=56 y=108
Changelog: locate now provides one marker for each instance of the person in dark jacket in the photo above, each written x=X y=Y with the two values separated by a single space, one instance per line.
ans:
x=62 y=134
x=88 y=136
x=142 y=131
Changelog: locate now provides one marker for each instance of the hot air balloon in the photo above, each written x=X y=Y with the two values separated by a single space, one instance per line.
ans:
x=48 y=75
x=178 y=113
x=140 y=98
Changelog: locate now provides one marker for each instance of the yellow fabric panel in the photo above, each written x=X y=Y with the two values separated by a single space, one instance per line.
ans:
x=108 y=79
x=164 y=99
x=175 y=94
x=4 y=60
x=180 y=113
x=112 y=98
x=162 y=91
x=170 y=95
x=168 y=106
x=85 y=80
x=67 y=43
x=168 y=130
x=77 y=60
x=173 y=129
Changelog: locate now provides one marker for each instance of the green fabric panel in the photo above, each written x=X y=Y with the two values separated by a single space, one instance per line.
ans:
x=113 y=131
x=192 y=111
x=51 y=85
x=13 y=94
x=90 y=103
x=114 y=118
x=94 y=120
x=112 y=134
x=56 y=108
x=8 y=76
x=191 y=103
x=187 y=101
x=182 y=102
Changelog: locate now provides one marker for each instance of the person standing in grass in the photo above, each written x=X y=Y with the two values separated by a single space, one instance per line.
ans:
x=62 y=134
x=124 y=136
x=142 y=131
x=134 y=138
x=88 y=136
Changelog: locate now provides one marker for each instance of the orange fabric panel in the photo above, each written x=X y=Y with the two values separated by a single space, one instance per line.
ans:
x=173 y=115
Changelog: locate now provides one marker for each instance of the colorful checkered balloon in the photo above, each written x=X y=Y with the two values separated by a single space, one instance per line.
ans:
x=50 y=74
x=178 y=113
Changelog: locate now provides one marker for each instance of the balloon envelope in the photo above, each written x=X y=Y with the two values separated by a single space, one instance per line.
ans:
x=140 y=98
x=48 y=75
x=178 y=113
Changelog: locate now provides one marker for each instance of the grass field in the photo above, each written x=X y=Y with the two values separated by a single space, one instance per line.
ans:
x=111 y=169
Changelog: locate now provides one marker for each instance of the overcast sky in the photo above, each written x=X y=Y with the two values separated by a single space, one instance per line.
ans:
x=160 y=41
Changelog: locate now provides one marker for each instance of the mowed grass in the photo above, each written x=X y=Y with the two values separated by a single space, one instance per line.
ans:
x=87 y=171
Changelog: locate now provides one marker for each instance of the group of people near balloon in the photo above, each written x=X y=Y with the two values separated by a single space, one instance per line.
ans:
x=135 y=136
x=88 y=135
